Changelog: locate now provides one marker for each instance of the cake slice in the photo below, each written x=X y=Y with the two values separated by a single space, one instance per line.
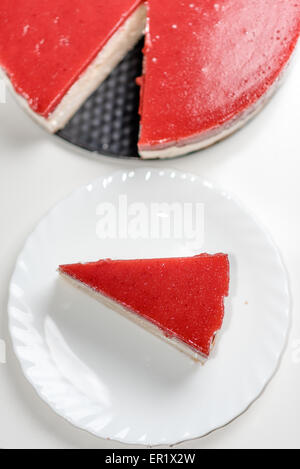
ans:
x=178 y=299
x=209 y=67
x=55 y=53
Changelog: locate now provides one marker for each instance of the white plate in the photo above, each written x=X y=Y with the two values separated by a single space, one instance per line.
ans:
x=103 y=373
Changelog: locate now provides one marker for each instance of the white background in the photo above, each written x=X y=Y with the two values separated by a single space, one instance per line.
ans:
x=260 y=165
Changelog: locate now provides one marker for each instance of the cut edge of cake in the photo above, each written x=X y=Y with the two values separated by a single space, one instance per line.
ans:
x=145 y=324
x=124 y=39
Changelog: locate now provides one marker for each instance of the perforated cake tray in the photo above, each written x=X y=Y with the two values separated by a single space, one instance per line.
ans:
x=108 y=122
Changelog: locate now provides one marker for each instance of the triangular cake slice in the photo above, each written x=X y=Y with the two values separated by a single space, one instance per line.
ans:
x=178 y=299
x=55 y=53
x=209 y=67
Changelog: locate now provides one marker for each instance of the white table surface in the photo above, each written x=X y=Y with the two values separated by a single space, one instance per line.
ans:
x=260 y=164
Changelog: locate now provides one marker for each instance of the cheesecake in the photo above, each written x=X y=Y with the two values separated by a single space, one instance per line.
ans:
x=209 y=66
x=180 y=300
x=55 y=54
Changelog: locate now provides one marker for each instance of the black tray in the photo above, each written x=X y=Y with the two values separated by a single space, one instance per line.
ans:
x=108 y=122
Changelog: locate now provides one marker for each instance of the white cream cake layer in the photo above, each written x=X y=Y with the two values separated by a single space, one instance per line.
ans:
x=146 y=325
x=110 y=56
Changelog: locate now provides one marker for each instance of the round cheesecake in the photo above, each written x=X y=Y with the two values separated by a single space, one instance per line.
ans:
x=208 y=66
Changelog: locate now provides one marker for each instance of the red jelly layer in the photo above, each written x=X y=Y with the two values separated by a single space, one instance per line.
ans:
x=45 y=45
x=209 y=61
x=184 y=297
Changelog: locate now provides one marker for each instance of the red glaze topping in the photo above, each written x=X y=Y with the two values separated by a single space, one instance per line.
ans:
x=184 y=297
x=45 y=45
x=209 y=61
